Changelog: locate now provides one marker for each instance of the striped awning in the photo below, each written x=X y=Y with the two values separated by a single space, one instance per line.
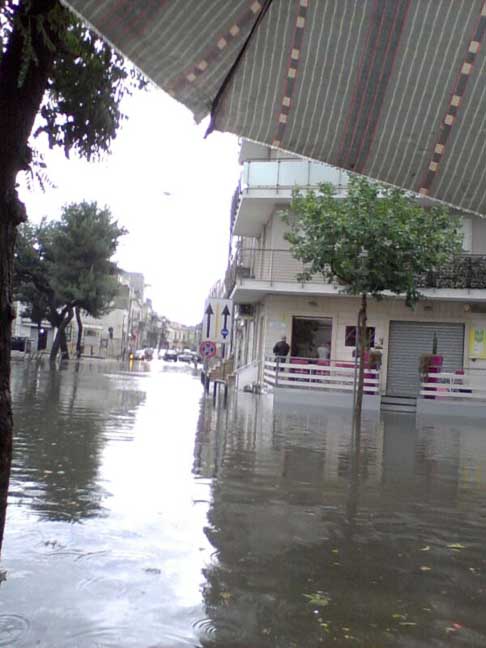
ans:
x=392 y=89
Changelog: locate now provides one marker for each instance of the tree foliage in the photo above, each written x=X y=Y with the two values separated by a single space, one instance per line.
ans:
x=66 y=266
x=372 y=240
x=81 y=105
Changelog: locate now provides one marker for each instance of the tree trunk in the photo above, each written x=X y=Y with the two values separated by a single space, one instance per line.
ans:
x=80 y=332
x=64 y=346
x=60 y=342
x=19 y=105
x=362 y=321
x=8 y=228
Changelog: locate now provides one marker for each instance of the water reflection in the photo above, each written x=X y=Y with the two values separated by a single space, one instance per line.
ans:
x=60 y=417
x=142 y=517
x=319 y=539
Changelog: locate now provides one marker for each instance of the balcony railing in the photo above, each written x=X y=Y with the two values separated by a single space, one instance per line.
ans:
x=289 y=173
x=270 y=265
x=273 y=265
x=464 y=271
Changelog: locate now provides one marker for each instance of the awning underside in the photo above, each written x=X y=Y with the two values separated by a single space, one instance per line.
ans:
x=393 y=89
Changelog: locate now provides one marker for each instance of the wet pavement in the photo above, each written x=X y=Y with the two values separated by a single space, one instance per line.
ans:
x=138 y=517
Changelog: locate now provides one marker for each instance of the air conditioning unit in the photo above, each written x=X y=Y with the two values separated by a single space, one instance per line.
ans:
x=246 y=310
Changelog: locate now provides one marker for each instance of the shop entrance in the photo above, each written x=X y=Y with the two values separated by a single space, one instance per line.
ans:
x=311 y=337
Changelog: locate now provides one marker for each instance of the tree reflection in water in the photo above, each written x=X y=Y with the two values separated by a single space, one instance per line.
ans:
x=60 y=421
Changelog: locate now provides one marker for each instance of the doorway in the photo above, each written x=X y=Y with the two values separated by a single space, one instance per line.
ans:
x=310 y=335
x=41 y=339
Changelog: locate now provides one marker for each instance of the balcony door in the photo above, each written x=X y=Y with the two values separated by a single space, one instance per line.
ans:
x=309 y=334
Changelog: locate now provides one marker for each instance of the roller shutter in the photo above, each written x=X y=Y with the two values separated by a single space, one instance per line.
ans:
x=408 y=340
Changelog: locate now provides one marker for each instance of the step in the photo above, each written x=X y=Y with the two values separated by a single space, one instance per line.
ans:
x=398 y=403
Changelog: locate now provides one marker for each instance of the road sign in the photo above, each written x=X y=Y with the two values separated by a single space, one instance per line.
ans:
x=218 y=320
x=207 y=349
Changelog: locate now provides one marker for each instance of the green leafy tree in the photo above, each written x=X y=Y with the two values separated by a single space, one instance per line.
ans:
x=31 y=281
x=374 y=240
x=65 y=268
x=56 y=73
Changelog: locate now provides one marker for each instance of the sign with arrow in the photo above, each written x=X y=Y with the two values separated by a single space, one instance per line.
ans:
x=218 y=320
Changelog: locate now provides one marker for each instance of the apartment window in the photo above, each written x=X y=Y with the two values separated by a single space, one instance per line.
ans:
x=350 y=336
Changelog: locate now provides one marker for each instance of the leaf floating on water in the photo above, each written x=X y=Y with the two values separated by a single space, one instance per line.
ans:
x=318 y=599
x=152 y=570
x=425 y=568
x=426 y=548
x=398 y=616
x=407 y=623
x=456 y=545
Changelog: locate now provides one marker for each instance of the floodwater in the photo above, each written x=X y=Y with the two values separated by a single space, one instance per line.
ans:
x=139 y=517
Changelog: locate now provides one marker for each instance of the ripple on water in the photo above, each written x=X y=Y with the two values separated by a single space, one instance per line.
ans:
x=13 y=628
x=224 y=631
x=102 y=637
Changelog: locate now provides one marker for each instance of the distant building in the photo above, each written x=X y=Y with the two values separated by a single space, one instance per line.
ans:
x=40 y=336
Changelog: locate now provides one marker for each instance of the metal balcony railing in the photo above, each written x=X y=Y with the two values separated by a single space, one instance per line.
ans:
x=274 y=265
x=464 y=271
x=270 y=265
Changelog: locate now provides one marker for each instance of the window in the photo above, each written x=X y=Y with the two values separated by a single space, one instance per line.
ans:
x=309 y=334
x=350 y=336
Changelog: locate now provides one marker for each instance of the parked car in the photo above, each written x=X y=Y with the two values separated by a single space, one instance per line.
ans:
x=139 y=354
x=20 y=344
x=148 y=353
x=186 y=356
x=170 y=355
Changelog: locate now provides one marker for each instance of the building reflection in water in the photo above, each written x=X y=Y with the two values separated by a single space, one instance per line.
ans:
x=319 y=539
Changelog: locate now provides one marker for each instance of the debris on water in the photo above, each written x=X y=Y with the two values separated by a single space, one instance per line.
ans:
x=318 y=598
x=152 y=570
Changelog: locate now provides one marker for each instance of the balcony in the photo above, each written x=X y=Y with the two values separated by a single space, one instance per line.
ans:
x=467 y=271
x=256 y=271
x=267 y=183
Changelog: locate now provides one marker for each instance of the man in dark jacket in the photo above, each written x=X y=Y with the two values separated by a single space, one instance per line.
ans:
x=281 y=349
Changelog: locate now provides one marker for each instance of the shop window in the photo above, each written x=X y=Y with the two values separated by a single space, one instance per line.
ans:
x=311 y=337
x=350 y=336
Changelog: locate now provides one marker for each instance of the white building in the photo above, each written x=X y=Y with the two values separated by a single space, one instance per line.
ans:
x=39 y=338
x=271 y=302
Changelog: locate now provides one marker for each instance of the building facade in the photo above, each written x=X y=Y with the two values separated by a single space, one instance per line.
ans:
x=271 y=302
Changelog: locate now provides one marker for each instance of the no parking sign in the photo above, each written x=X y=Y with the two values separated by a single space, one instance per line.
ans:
x=207 y=349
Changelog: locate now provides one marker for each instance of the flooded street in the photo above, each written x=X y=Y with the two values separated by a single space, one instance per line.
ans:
x=138 y=517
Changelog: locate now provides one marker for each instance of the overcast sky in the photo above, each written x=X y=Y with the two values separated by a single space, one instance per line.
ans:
x=179 y=241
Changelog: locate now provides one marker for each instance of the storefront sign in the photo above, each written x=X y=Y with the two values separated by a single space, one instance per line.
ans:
x=477 y=343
